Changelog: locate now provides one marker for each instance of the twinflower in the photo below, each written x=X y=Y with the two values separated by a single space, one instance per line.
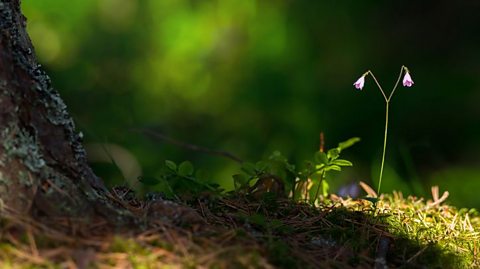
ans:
x=407 y=80
x=360 y=83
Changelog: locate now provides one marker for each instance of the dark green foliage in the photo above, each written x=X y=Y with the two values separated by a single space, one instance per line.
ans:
x=270 y=178
x=303 y=183
x=180 y=181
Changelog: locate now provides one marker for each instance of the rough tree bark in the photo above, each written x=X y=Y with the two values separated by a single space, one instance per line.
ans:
x=43 y=167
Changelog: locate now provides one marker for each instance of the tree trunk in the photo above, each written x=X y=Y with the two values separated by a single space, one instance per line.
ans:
x=43 y=167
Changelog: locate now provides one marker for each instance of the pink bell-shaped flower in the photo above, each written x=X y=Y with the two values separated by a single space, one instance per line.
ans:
x=360 y=83
x=407 y=80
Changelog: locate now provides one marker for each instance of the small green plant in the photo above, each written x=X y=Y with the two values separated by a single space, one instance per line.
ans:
x=267 y=179
x=277 y=174
x=324 y=163
x=180 y=180
x=407 y=82
x=272 y=174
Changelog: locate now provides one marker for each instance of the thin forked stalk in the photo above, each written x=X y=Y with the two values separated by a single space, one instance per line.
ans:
x=387 y=103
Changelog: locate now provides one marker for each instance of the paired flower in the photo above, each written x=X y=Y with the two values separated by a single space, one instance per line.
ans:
x=407 y=80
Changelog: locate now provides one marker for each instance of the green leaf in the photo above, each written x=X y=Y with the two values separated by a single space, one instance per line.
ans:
x=346 y=144
x=149 y=181
x=185 y=169
x=333 y=167
x=319 y=167
x=342 y=162
x=321 y=157
x=249 y=168
x=333 y=154
x=171 y=165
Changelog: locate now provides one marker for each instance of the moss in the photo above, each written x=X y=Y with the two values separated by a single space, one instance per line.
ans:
x=344 y=234
x=445 y=236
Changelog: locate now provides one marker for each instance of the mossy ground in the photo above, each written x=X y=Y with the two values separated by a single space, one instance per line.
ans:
x=242 y=232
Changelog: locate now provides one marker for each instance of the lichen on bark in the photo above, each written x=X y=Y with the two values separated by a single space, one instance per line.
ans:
x=43 y=164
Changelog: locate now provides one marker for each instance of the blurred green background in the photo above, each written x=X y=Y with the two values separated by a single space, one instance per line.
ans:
x=251 y=76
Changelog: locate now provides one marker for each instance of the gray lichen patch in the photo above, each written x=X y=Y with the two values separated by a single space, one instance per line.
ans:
x=22 y=145
x=41 y=91
x=56 y=110
x=49 y=98
x=37 y=92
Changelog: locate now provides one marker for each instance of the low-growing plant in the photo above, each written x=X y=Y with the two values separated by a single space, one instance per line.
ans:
x=277 y=174
x=180 y=180
x=407 y=82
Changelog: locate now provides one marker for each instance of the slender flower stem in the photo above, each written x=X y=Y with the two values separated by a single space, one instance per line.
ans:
x=378 y=85
x=396 y=84
x=387 y=102
x=384 y=147
x=407 y=82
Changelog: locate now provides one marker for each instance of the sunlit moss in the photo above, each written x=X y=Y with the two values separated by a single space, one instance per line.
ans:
x=340 y=233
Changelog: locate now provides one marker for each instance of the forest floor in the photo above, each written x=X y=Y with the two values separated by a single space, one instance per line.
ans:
x=242 y=232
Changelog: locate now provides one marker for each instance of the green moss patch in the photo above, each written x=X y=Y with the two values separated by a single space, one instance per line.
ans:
x=242 y=232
